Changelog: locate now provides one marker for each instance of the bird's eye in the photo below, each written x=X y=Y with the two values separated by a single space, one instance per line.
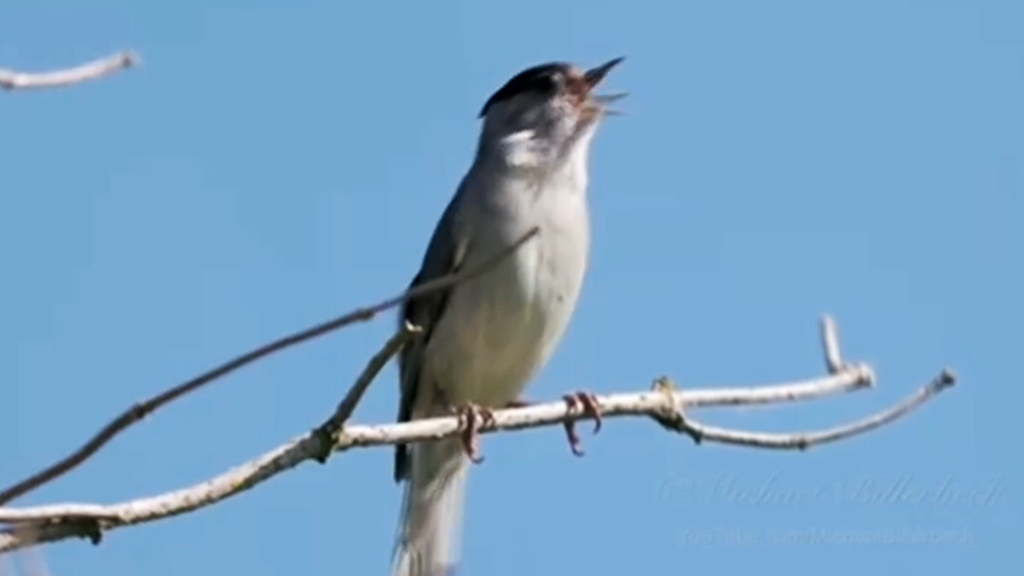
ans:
x=548 y=83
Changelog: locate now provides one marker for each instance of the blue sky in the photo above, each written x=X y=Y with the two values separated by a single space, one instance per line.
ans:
x=271 y=166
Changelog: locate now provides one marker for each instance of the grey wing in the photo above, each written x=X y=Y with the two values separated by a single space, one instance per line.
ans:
x=444 y=255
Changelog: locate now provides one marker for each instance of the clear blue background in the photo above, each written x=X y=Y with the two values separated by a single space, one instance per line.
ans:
x=272 y=165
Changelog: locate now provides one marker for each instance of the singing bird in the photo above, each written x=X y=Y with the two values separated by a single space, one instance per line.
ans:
x=483 y=340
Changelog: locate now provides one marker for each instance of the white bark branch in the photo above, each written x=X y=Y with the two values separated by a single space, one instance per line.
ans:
x=803 y=440
x=13 y=80
x=830 y=341
x=665 y=403
x=136 y=412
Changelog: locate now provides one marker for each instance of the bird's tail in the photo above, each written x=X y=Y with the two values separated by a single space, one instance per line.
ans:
x=430 y=527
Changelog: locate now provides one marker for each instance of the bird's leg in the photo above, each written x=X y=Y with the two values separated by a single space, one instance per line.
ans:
x=471 y=417
x=588 y=403
x=590 y=408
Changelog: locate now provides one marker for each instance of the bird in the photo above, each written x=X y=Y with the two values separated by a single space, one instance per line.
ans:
x=481 y=341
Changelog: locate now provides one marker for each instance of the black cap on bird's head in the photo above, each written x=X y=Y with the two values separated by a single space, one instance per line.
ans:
x=546 y=78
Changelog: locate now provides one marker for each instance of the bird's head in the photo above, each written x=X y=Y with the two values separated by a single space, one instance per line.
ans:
x=546 y=114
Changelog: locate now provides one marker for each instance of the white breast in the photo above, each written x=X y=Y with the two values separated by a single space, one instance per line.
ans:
x=501 y=328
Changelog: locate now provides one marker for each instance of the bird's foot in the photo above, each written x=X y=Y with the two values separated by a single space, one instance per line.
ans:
x=587 y=402
x=471 y=418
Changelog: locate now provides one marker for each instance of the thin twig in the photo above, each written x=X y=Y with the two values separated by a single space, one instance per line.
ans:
x=663 y=403
x=647 y=403
x=57 y=522
x=833 y=359
x=348 y=404
x=308 y=446
x=804 y=440
x=90 y=524
x=138 y=411
x=13 y=80
x=329 y=429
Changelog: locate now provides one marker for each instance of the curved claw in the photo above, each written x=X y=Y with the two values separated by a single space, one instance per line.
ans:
x=588 y=403
x=471 y=418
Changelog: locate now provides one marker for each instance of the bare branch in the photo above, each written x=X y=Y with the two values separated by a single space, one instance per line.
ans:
x=830 y=339
x=89 y=525
x=655 y=403
x=137 y=412
x=664 y=403
x=12 y=80
x=804 y=440
x=329 y=429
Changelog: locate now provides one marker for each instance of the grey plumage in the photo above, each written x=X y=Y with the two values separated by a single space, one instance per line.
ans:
x=485 y=339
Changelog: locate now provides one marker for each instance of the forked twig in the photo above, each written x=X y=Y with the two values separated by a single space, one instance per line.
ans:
x=665 y=403
x=140 y=410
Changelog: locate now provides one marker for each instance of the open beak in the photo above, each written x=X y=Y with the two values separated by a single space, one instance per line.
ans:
x=593 y=77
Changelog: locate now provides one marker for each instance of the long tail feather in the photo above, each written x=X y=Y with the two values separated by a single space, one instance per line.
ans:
x=430 y=528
